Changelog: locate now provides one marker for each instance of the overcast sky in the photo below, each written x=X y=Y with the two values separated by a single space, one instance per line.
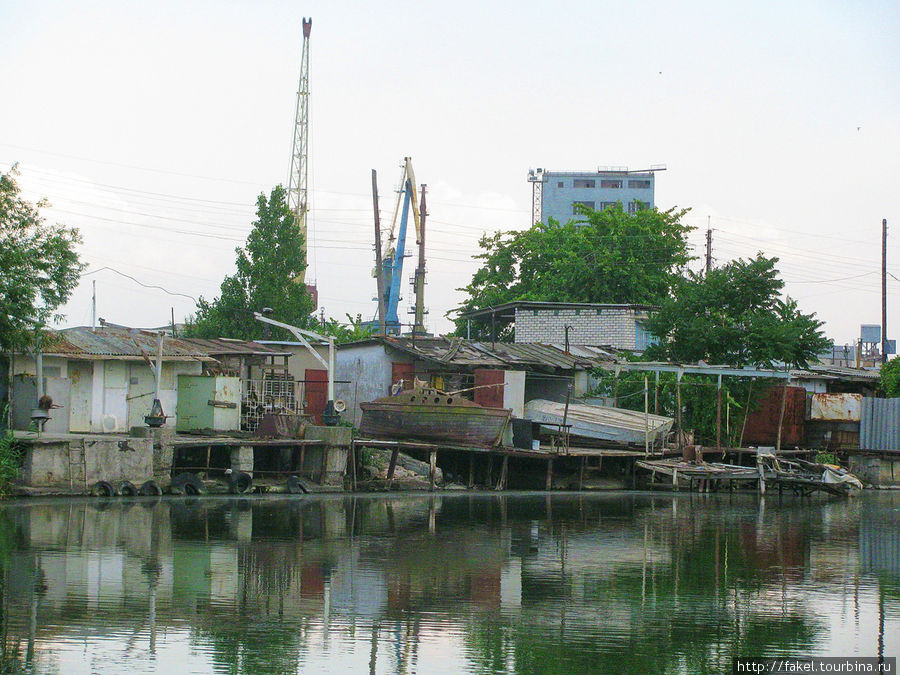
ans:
x=153 y=126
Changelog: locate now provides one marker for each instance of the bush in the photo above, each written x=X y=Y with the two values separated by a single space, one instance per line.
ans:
x=10 y=458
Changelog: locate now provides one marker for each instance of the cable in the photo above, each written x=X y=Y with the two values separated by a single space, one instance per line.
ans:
x=139 y=283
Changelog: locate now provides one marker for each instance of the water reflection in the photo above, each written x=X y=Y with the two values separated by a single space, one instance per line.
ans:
x=467 y=583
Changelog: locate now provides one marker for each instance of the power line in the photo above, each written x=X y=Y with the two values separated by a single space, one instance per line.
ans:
x=139 y=283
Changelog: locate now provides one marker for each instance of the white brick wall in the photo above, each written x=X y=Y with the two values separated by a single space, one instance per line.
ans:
x=614 y=326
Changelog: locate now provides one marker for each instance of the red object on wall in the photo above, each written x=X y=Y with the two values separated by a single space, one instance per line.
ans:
x=316 y=392
x=762 y=423
x=485 y=394
x=403 y=371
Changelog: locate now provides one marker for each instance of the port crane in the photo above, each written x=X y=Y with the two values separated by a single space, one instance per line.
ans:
x=389 y=260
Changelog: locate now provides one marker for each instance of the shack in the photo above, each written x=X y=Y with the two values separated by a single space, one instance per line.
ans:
x=499 y=375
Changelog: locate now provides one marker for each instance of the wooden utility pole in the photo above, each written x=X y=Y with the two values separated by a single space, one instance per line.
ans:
x=708 y=247
x=884 y=290
x=379 y=277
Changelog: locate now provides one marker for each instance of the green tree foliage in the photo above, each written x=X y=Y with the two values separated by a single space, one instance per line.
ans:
x=269 y=267
x=889 y=382
x=735 y=315
x=351 y=331
x=40 y=267
x=609 y=256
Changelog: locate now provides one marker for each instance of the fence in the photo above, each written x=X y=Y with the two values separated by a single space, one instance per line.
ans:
x=270 y=395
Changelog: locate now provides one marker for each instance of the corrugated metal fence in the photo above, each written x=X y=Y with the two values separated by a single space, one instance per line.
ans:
x=879 y=424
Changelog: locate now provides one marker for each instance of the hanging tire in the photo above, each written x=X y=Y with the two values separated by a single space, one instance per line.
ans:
x=294 y=487
x=127 y=489
x=188 y=483
x=150 y=489
x=103 y=489
x=240 y=483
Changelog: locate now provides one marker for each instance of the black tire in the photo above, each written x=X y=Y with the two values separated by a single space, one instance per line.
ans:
x=103 y=489
x=150 y=489
x=294 y=487
x=240 y=482
x=189 y=483
x=127 y=489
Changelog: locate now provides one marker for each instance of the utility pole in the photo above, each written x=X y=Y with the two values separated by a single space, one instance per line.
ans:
x=379 y=276
x=94 y=305
x=419 y=279
x=884 y=290
x=708 y=246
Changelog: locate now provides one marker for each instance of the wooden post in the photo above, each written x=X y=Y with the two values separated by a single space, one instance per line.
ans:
x=393 y=465
x=656 y=393
x=324 y=468
x=432 y=464
x=675 y=480
x=471 y=470
x=646 y=416
x=501 y=482
x=581 y=473
x=746 y=412
x=490 y=470
x=616 y=390
x=302 y=458
x=549 y=483
x=678 y=411
x=353 y=468
x=719 y=415
x=781 y=416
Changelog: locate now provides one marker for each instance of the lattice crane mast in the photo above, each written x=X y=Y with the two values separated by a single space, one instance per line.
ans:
x=297 y=179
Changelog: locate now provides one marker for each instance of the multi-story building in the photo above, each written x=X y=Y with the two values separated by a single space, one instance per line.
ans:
x=557 y=194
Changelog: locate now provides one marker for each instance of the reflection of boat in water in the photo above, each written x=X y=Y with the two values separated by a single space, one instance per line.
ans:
x=431 y=415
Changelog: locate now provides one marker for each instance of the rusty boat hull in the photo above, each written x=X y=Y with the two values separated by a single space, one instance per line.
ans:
x=433 y=417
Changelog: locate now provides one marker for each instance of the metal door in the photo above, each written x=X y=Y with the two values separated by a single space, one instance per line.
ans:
x=141 y=389
x=316 y=392
x=81 y=386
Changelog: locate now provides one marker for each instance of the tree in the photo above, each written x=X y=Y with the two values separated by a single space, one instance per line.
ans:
x=269 y=269
x=611 y=257
x=735 y=315
x=889 y=379
x=39 y=263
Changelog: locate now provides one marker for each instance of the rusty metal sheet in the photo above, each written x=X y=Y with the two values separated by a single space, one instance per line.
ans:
x=879 y=424
x=762 y=424
x=835 y=407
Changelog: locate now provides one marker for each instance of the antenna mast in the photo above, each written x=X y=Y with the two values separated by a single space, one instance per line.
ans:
x=297 y=179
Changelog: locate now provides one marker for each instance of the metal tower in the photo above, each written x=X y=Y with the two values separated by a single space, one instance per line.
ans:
x=536 y=178
x=297 y=180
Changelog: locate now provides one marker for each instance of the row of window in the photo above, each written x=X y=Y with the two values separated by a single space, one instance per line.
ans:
x=611 y=183
x=633 y=206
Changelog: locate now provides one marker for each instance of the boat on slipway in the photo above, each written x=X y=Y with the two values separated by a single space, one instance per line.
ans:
x=431 y=415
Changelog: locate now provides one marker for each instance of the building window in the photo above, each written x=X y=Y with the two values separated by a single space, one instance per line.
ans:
x=642 y=337
x=606 y=205
x=584 y=183
x=610 y=183
x=559 y=184
x=637 y=205
x=576 y=207
x=641 y=184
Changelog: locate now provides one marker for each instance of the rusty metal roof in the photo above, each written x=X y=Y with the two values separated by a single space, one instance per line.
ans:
x=117 y=342
x=458 y=352
x=229 y=347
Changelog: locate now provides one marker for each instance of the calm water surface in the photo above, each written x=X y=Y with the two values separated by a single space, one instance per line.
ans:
x=523 y=583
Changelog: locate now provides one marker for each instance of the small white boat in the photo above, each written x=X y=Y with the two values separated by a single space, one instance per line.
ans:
x=601 y=423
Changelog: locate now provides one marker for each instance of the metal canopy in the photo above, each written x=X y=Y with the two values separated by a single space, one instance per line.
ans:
x=699 y=369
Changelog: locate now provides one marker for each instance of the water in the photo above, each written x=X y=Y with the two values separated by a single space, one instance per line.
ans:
x=524 y=583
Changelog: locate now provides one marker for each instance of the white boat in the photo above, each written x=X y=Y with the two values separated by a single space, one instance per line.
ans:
x=600 y=423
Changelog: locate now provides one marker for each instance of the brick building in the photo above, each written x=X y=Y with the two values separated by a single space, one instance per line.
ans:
x=616 y=326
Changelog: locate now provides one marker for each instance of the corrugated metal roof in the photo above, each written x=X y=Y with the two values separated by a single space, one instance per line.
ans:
x=464 y=353
x=116 y=342
x=224 y=346
x=879 y=424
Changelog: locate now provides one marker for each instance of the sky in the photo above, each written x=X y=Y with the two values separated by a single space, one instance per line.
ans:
x=153 y=127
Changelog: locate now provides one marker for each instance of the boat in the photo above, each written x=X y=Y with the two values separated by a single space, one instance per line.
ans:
x=600 y=423
x=431 y=415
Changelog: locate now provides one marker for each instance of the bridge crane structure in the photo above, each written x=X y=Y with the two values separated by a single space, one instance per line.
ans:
x=389 y=260
x=297 y=195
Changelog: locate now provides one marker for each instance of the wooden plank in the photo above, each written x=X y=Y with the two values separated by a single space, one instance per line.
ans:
x=392 y=466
